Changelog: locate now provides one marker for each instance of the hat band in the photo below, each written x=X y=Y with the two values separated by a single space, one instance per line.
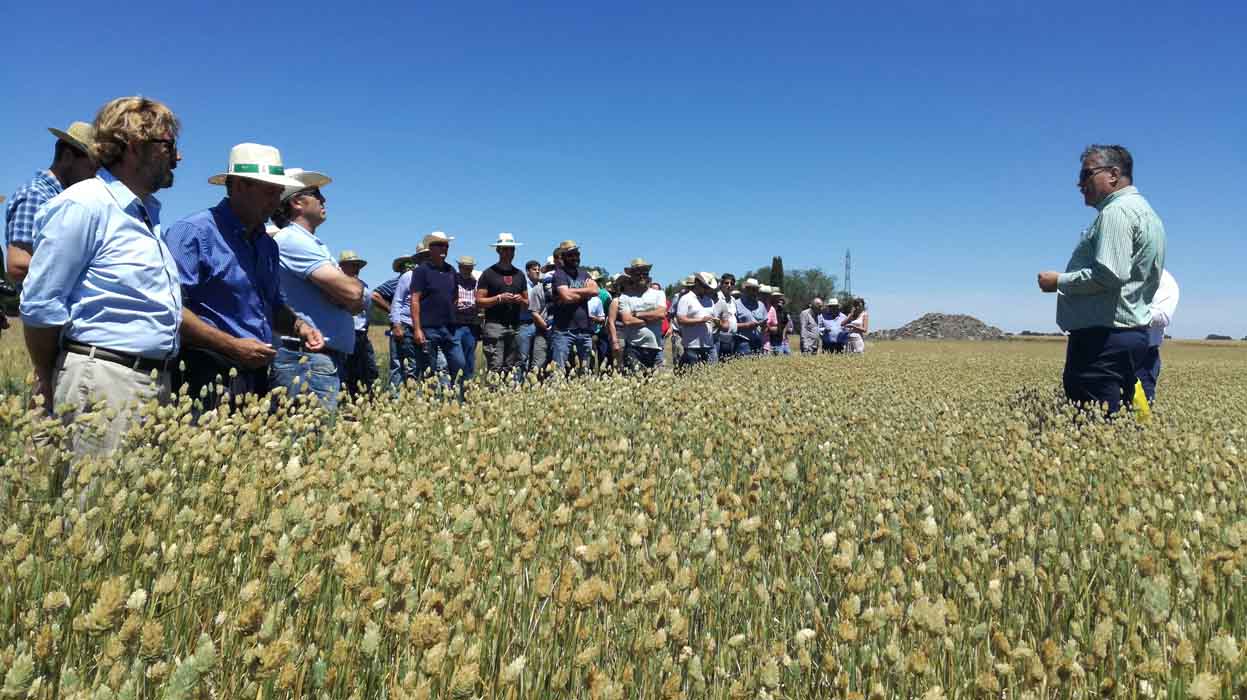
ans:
x=255 y=168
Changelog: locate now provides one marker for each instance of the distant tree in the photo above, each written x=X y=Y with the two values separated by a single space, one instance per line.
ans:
x=799 y=286
x=777 y=272
x=1218 y=336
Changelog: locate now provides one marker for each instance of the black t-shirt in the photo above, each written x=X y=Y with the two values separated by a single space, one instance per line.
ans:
x=569 y=316
x=503 y=280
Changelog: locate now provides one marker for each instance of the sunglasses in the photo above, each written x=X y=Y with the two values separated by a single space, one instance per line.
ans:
x=1088 y=172
x=312 y=193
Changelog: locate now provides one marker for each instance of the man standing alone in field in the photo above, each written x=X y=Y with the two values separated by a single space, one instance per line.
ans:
x=1105 y=292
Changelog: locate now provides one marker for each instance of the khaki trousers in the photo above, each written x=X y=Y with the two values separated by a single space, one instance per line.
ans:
x=84 y=381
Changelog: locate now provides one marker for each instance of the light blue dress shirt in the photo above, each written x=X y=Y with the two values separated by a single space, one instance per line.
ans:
x=301 y=253
x=102 y=273
x=361 y=318
x=400 y=308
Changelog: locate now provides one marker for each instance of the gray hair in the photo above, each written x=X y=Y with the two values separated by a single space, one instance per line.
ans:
x=1113 y=156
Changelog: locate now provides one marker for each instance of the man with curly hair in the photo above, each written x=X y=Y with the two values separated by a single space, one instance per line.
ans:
x=102 y=309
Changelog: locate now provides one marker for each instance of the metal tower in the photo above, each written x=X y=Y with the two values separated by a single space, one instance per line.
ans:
x=848 y=272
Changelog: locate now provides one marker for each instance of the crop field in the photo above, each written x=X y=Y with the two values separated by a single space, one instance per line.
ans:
x=929 y=520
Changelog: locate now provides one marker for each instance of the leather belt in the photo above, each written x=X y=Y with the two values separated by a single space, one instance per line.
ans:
x=134 y=362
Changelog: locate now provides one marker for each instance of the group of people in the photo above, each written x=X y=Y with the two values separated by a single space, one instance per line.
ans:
x=222 y=304
x=560 y=314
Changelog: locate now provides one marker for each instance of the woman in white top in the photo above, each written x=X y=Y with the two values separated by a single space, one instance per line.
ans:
x=857 y=325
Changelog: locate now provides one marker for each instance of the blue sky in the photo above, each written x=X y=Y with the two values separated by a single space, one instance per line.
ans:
x=938 y=141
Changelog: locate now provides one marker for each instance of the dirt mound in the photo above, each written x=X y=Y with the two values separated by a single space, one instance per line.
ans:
x=943 y=327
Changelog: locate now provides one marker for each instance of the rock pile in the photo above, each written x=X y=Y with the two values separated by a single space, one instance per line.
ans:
x=945 y=327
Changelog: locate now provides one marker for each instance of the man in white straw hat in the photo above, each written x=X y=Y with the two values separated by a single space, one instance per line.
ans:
x=394 y=297
x=101 y=307
x=467 y=319
x=503 y=293
x=700 y=314
x=751 y=316
x=72 y=162
x=230 y=281
x=434 y=294
x=318 y=289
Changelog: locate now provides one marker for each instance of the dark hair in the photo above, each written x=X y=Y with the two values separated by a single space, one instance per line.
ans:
x=63 y=149
x=727 y=276
x=284 y=214
x=1113 y=156
x=532 y=263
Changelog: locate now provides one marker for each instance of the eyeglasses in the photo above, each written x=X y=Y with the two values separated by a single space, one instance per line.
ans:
x=1088 y=172
x=312 y=193
x=170 y=145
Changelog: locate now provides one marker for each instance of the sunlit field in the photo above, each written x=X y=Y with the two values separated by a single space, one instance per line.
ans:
x=928 y=520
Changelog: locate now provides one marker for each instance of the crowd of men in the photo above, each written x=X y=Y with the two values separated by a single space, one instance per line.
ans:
x=119 y=308
x=222 y=304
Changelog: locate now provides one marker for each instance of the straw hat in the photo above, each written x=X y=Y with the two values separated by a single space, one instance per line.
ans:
x=467 y=261
x=80 y=135
x=749 y=282
x=505 y=240
x=832 y=302
x=687 y=281
x=640 y=264
x=309 y=178
x=401 y=262
x=706 y=278
x=435 y=237
x=765 y=289
x=567 y=247
x=256 y=162
x=348 y=257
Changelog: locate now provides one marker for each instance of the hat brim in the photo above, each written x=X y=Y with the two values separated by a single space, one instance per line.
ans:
x=505 y=245
x=69 y=139
x=399 y=262
x=360 y=263
x=309 y=179
x=281 y=180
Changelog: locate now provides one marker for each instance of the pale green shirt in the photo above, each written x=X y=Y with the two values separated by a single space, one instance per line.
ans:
x=1115 y=269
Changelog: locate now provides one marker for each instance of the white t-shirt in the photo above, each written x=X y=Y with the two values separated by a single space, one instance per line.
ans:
x=706 y=308
x=726 y=332
x=639 y=336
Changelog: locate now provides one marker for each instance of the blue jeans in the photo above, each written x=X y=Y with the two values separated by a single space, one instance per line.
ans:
x=696 y=356
x=727 y=347
x=780 y=347
x=321 y=374
x=527 y=333
x=1101 y=365
x=396 y=364
x=440 y=339
x=466 y=337
x=749 y=342
x=562 y=342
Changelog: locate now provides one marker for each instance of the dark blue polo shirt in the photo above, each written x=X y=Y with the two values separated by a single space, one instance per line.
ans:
x=439 y=291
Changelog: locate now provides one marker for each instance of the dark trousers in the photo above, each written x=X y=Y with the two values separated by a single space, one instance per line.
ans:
x=360 y=370
x=1101 y=365
x=200 y=371
x=1149 y=372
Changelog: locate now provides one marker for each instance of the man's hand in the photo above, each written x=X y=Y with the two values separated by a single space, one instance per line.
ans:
x=311 y=337
x=418 y=335
x=1048 y=280
x=396 y=330
x=251 y=353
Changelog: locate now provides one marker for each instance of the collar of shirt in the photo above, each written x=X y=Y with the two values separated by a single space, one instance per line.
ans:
x=50 y=178
x=305 y=232
x=1128 y=190
x=130 y=202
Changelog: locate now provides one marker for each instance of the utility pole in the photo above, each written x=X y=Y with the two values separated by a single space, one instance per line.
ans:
x=848 y=272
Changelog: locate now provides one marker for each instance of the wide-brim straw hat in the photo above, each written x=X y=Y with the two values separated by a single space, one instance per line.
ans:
x=310 y=179
x=706 y=278
x=436 y=237
x=255 y=161
x=832 y=302
x=505 y=240
x=349 y=257
x=567 y=247
x=466 y=261
x=401 y=262
x=750 y=282
x=80 y=135
x=640 y=264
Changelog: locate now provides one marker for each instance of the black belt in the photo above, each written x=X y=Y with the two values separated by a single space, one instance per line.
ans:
x=134 y=362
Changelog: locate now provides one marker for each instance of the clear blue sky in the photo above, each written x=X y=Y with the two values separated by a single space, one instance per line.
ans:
x=938 y=141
